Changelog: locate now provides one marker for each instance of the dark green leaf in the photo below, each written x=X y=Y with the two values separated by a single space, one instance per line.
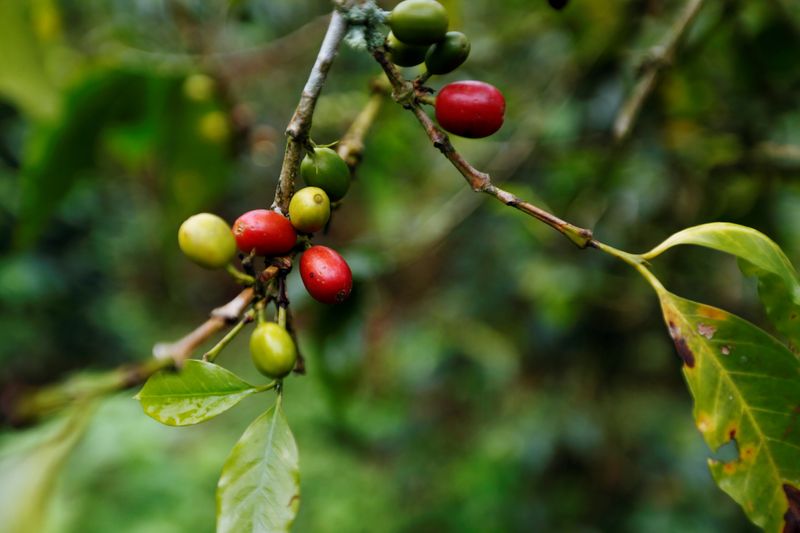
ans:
x=57 y=155
x=259 y=490
x=746 y=387
x=200 y=391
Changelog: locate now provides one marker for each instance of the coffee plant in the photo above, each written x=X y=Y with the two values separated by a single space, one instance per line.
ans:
x=745 y=382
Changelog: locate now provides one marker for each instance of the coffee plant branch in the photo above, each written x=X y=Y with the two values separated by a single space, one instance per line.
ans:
x=300 y=124
x=409 y=95
x=659 y=57
x=27 y=405
x=351 y=147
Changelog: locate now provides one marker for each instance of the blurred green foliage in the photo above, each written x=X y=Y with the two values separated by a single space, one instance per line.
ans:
x=486 y=375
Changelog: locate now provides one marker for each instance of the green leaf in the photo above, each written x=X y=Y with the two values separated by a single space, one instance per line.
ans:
x=29 y=465
x=746 y=387
x=141 y=119
x=23 y=77
x=58 y=154
x=259 y=489
x=778 y=282
x=200 y=391
x=741 y=241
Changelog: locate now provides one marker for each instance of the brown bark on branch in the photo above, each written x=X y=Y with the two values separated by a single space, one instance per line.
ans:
x=23 y=406
x=408 y=94
x=300 y=125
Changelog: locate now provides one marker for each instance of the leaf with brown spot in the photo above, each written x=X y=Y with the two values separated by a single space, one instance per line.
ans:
x=792 y=517
x=746 y=385
x=759 y=256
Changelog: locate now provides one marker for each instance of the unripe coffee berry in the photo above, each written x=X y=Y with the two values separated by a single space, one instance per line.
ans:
x=471 y=109
x=405 y=55
x=419 y=21
x=272 y=350
x=325 y=169
x=326 y=275
x=309 y=209
x=267 y=232
x=207 y=240
x=199 y=87
x=448 y=54
x=213 y=126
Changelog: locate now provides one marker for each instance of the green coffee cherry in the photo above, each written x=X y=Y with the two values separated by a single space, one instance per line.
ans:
x=207 y=240
x=199 y=87
x=309 y=209
x=419 y=21
x=326 y=170
x=448 y=54
x=213 y=126
x=272 y=350
x=405 y=55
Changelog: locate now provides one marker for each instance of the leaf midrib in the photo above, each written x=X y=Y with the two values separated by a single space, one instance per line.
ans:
x=268 y=445
x=745 y=406
x=196 y=395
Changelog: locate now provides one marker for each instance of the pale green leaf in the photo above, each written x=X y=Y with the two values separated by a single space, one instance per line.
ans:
x=198 y=392
x=23 y=77
x=759 y=256
x=746 y=387
x=741 y=241
x=259 y=490
x=29 y=466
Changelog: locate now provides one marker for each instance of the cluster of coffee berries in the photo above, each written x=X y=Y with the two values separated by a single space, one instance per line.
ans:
x=419 y=34
x=207 y=240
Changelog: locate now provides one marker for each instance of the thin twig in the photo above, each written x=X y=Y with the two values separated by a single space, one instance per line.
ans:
x=351 y=147
x=28 y=405
x=183 y=348
x=212 y=354
x=405 y=93
x=31 y=404
x=787 y=155
x=300 y=125
x=660 y=57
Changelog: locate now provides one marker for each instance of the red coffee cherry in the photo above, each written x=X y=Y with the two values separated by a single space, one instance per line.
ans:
x=326 y=275
x=471 y=109
x=267 y=232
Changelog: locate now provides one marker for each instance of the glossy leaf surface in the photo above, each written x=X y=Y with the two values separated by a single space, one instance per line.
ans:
x=746 y=387
x=759 y=256
x=200 y=391
x=259 y=490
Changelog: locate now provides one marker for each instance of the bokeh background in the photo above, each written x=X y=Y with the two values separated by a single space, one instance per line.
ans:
x=486 y=375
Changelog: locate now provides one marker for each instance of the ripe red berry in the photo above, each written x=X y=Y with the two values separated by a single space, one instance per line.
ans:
x=267 y=232
x=326 y=275
x=470 y=109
